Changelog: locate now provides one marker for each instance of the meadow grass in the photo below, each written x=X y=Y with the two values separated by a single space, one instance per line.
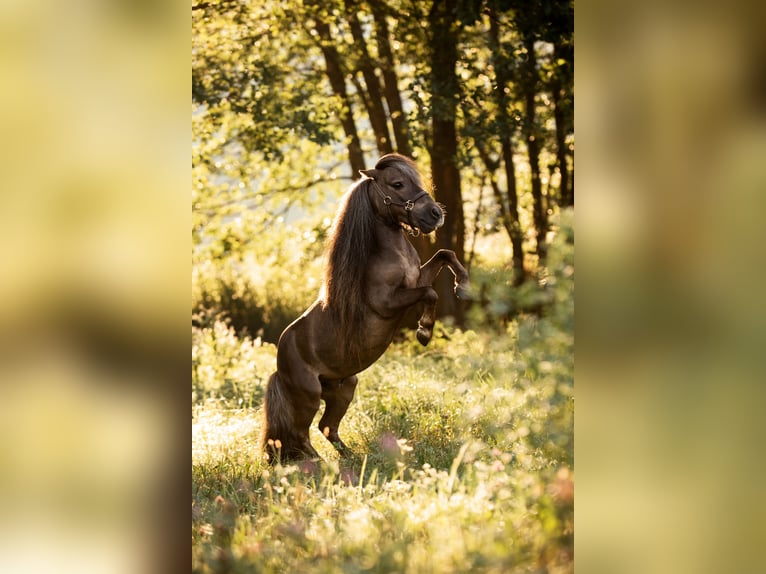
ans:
x=463 y=461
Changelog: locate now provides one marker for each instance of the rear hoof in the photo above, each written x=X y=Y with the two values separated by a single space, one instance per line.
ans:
x=349 y=477
x=309 y=465
x=424 y=336
x=340 y=446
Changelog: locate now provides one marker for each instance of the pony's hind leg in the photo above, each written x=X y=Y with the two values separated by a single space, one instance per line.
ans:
x=293 y=397
x=289 y=411
x=305 y=407
x=337 y=395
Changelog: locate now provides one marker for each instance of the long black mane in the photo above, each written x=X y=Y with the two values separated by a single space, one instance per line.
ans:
x=352 y=240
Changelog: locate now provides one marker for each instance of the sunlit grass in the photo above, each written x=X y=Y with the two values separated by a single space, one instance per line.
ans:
x=463 y=462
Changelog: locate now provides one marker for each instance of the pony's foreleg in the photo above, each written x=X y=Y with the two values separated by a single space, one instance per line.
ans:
x=337 y=395
x=426 y=324
x=404 y=297
x=430 y=269
x=387 y=303
x=428 y=273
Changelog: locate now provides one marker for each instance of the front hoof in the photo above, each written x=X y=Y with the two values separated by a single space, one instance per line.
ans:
x=463 y=292
x=424 y=336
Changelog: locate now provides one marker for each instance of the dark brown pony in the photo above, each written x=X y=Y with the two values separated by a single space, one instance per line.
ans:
x=373 y=276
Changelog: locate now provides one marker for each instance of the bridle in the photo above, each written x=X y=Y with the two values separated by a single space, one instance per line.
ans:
x=408 y=206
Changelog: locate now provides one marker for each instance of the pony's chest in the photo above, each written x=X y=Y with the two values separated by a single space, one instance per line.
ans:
x=399 y=270
x=411 y=274
x=406 y=270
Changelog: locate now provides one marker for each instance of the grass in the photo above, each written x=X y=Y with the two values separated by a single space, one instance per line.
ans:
x=463 y=462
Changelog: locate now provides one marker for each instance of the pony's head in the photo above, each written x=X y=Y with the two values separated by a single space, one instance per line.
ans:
x=398 y=196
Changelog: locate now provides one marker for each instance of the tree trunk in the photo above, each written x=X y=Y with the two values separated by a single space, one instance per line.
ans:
x=563 y=115
x=561 y=87
x=507 y=130
x=513 y=208
x=338 y=84
x=539 y=208
x=508 y=213
x=571 y=183
x=561 y=149
x=390 y=88
x=374 y=103
x=444 y=169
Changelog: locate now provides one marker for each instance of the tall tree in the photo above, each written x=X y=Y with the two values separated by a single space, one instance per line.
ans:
x=507 y=128
x=562 y=114
x=387 y=65
x=335 y=74
x=529 y=85
x=373 y=98
x=558 y=29
x=443 y=25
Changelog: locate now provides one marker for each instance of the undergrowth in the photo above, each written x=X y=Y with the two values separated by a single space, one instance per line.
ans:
x=463 y=461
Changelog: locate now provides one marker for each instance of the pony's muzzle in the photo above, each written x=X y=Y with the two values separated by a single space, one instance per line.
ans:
x=427 y=217
x=438 y=215
x=434 y=216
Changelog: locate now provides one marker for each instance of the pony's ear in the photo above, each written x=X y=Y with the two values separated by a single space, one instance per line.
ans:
x=371 y=173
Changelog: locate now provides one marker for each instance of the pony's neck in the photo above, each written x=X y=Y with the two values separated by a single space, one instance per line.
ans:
x=385 y=232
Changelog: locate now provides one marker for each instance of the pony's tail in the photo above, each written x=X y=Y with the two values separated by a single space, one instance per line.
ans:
x=277 y=434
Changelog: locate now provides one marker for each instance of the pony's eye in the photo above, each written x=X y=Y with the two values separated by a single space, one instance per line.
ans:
x=397 y=185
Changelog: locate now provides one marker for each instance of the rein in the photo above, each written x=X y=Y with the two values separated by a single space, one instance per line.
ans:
x=408 y=206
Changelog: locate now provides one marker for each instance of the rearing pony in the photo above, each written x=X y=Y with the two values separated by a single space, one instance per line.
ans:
x=373 y=276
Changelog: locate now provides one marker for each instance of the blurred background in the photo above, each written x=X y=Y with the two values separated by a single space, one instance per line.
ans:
x=671 y=124
x=94 y=283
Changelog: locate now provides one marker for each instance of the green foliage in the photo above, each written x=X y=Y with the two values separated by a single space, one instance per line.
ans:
x=244 y=58
x=227 y=369
x=259 y=299
x=463 y=455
